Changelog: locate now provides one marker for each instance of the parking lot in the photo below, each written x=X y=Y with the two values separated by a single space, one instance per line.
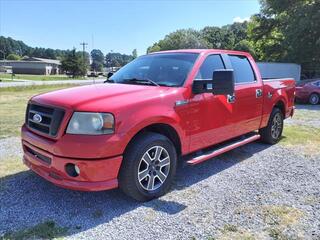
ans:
x=253 y=192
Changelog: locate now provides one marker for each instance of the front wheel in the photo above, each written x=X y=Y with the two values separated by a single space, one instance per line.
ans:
x=148 y=167
x=271 y=134
x=314 y=99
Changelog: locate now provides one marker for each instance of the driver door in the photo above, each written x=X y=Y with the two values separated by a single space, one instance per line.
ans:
x=215 y=115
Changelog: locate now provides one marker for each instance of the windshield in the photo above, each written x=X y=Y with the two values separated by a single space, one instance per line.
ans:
x=164 y=69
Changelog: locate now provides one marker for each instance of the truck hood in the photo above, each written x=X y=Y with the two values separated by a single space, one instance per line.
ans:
x=98 y=97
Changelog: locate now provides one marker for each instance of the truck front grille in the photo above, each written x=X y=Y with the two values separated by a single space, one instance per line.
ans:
x=44 y=119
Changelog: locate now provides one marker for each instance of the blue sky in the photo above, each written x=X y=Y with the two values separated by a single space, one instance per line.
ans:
x=119 y=25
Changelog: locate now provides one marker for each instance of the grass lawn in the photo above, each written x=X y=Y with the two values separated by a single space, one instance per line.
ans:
x=38 y=77
x=45 y=230
x=13 y=102
x=305 y=138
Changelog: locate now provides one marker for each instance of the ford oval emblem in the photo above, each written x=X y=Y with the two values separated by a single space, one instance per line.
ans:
x=37 y=118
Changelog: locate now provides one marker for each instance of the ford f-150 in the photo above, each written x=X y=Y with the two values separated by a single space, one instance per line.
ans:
x=161 y=108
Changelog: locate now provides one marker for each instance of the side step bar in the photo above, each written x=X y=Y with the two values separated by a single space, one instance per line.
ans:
x=222 y=149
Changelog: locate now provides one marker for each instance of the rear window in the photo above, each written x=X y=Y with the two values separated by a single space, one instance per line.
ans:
x=243 y=72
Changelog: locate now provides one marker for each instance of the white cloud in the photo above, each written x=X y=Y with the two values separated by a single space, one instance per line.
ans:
x=240 y=19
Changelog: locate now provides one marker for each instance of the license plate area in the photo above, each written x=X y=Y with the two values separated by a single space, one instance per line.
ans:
x=40 y=157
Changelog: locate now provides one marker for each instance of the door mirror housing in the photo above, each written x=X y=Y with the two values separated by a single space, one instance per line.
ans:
x=109 y=75
x=222 y=83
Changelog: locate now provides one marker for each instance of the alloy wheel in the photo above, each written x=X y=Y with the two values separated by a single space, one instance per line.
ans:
x=154 y=168
x=314 y=99
x=276 y=126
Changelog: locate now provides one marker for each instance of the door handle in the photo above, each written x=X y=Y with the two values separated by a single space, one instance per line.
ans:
x=258 y=93
x=231 y=98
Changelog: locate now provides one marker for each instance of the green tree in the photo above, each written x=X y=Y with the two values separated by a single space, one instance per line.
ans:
x=97 y=60
x=239 y=31
x=266 y=38
x=154 y=48
x=134 y=53
x=246 y=46
x=85 y=60
x=13 y=56
x=9 y=45
x=230 y=36
x=74 y=64
x=117 y=59
x=216 y=37
x=184 y=38
x=288 y=31
x=50 y=53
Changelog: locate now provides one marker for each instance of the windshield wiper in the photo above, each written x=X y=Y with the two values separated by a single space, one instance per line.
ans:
x=168 y=85
x=141 y=81
x=108 y=81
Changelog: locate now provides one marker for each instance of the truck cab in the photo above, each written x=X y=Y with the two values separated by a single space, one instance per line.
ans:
x=157 y=110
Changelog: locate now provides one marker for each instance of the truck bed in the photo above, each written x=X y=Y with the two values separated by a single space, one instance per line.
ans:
x=278 y=91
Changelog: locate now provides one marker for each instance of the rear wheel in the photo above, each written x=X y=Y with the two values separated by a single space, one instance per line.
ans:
x=148 y=167
x=314 y=98
x=272 y=132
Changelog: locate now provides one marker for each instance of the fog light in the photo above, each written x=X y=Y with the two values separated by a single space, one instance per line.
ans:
x=77 y=169
x=72 y=170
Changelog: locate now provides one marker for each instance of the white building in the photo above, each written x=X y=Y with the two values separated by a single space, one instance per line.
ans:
x=33 y=65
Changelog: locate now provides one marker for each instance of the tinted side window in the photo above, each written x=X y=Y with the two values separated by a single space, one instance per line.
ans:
x=211 y=63
x=317 y=84
x=243 y=71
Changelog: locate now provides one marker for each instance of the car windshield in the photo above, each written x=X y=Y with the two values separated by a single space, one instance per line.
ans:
x=164 y=69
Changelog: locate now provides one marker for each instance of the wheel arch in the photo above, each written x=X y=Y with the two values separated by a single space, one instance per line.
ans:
x=161 y=128
x=281 y=105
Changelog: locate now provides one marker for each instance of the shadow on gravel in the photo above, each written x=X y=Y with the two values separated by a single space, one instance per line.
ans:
x=26 y=199
x=189 y=175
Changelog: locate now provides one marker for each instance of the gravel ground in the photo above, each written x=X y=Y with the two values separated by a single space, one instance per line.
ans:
x=261 y=191
x=307 y=115
x=10 y=147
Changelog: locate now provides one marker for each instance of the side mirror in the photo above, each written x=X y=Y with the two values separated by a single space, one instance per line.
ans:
x=109 y=75
x=222 y=83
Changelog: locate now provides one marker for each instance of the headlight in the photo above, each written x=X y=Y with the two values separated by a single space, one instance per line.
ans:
x=91 y=123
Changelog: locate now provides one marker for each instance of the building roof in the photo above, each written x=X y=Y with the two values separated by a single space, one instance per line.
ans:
x=45 y=60
x=31 y=60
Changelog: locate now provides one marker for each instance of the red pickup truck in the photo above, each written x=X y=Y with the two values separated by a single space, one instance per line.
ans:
x=161 y=108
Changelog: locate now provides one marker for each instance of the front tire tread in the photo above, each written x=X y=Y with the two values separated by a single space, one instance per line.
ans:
x=133 y=154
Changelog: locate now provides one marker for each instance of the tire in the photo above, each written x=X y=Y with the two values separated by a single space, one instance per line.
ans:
x=145 y=172
x=314 y=98
x=272 y=133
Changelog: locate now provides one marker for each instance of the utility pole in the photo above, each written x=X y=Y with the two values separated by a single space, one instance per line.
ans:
x=83 y=49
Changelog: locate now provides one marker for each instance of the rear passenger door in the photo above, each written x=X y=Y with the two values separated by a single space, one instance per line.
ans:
x=247 y=101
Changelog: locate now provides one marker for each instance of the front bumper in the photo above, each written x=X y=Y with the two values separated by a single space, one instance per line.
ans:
x=95 y=174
